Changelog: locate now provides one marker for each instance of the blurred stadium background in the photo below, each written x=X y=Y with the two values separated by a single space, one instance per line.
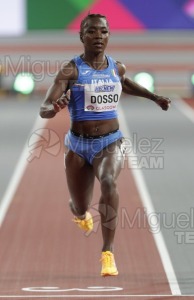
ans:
x=148 y=36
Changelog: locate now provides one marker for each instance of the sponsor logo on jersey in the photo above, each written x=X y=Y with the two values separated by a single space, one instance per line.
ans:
x=104 y=88
x=101 y=75
x=86 y=72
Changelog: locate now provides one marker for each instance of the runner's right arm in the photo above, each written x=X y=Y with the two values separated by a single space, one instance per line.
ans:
x=55 y=99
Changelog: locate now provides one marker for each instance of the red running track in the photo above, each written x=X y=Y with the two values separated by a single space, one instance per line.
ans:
x=42 y=247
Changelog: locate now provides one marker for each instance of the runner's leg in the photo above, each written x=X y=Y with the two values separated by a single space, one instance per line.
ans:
x=107 y=166
x=80 y=180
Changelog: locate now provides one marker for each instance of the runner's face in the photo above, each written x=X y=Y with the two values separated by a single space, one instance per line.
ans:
x=95 y=35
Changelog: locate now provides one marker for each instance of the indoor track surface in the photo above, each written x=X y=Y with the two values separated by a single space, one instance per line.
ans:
x=44 y=255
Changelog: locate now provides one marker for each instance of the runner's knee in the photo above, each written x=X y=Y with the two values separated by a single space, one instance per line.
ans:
x=78 y=210
x=108 y=186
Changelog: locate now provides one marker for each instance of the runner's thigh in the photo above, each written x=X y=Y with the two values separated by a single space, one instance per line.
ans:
x=80 y=178
x=109 y=161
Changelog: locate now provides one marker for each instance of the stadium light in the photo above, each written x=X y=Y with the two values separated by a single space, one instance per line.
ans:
x=192 y=84
x=145 y=79
x=192 y=79
x=24 y=83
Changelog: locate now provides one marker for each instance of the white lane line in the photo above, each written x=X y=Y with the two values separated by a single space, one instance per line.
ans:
x=184 y=108
x=84 y=296
x=147 y=202
x=18 y=173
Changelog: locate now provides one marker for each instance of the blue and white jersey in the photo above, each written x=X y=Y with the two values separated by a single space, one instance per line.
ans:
x=96 y=93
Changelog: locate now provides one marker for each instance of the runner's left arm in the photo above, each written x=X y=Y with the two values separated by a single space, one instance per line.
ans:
x=132 y=88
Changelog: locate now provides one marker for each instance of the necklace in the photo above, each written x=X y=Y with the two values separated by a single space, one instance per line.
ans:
x=98 y=65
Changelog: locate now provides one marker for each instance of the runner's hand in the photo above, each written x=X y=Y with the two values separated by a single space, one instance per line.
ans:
x=62 y=102
x=163 y=102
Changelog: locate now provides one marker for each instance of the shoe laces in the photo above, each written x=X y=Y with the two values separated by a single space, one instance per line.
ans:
x=107 y=258
x=79 y=221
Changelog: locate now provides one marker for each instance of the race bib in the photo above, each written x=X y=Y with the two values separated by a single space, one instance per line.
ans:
x=102 y=97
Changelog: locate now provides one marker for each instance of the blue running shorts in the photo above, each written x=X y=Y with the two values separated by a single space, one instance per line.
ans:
x=89 y=147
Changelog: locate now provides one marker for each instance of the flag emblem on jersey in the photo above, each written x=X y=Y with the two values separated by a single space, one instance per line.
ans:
x=114 y=73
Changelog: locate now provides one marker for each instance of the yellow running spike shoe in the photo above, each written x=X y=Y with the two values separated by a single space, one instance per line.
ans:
x=108 y=264
x=85 y=224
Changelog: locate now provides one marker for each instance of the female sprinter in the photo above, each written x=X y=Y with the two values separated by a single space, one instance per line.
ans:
x=93 y=83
